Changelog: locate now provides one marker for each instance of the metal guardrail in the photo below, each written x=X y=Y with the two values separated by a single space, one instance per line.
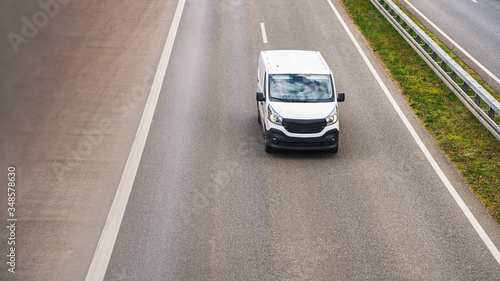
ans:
x=469 y=91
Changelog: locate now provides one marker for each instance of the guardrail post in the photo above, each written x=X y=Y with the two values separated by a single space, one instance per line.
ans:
x=477 y=100
x=443 y=65
x=491 y=113
x=465 y=87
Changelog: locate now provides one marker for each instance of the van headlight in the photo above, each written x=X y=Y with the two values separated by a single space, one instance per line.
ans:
x=273 y=116
x=332 y=118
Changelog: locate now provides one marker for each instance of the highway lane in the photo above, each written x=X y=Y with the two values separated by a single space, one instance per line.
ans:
x=473 y=25
x=70 y=104
x=208 y=201
x=209 y=204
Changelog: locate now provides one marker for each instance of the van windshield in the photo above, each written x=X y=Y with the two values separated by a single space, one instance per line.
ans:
x=301 y=88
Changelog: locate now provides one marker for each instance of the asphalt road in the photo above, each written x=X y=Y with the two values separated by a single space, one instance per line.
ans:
x=69 y=109
x=472 y=24
x=207 y=202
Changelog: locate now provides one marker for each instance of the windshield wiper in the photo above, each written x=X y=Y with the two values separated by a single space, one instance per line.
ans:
x=283 y=100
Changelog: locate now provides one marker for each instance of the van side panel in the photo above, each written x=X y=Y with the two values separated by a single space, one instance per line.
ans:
x=261 y=72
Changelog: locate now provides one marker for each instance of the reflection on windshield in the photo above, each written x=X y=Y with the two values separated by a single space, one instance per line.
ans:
x=301 y=88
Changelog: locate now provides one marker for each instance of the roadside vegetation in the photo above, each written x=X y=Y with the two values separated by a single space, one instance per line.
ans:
x=469 y=146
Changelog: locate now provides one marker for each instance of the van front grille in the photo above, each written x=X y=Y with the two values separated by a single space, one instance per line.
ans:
x=304 y=126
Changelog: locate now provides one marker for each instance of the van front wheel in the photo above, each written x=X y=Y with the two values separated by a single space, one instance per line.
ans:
x=268 y=148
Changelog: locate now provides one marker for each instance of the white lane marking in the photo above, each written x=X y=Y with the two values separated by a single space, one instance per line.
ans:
x=475 y=1
x=480 y=231
x=107 y=240
x=263 y=29
x=455 y=43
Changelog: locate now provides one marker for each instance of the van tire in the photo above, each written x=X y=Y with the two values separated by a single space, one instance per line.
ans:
x=267 y=148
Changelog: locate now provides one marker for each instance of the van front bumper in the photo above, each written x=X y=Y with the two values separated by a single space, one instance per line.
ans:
x=279 y=140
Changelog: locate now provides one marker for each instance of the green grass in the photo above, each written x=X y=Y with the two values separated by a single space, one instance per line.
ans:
x=465 y=141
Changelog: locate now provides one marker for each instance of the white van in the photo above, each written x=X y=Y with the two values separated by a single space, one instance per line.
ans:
x=297 y=101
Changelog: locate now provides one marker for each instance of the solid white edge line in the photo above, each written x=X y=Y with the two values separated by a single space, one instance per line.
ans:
x=455 y=43
x=263 y=29
x=109 y=233
x=480 y=231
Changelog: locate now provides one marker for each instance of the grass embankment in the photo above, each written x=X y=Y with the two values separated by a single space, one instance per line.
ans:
x=466 y=142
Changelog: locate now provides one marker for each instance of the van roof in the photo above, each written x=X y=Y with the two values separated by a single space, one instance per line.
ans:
x=294 y=61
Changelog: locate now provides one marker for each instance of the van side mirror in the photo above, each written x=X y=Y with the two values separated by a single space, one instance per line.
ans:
x=261 y=96
x=341 y=97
